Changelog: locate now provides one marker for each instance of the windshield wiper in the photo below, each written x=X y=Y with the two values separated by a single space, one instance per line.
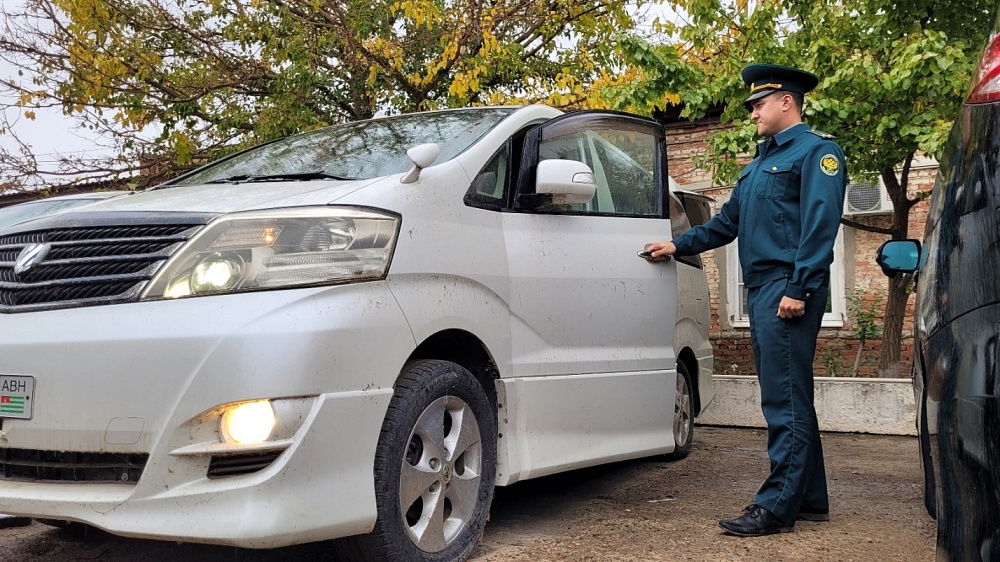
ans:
x=293 y=176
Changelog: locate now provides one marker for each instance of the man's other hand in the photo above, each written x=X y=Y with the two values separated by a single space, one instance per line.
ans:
x=791 y=308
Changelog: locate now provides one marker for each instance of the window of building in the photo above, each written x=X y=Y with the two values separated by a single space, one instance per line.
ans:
x=737 y=292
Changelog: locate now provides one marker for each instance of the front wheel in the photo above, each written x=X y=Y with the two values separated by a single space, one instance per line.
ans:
x=683 y=425
x=435 y=466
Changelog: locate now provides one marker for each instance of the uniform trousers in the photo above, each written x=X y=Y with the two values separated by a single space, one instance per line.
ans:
x=783 y=352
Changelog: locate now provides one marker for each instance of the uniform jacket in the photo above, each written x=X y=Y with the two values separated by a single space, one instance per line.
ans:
x=785 y=209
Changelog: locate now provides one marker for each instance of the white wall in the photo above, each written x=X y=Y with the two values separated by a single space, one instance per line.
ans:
x=861 y=405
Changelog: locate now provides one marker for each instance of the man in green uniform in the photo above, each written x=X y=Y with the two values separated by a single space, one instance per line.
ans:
x=786 y=211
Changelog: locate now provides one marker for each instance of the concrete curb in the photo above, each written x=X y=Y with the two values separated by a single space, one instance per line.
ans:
x=856 y=405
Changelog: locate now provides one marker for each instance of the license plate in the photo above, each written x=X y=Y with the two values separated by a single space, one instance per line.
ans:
x=16 y=396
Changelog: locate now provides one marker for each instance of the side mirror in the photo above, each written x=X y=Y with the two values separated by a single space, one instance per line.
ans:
x=422 y=156
x=566 y=182
x=898 y=256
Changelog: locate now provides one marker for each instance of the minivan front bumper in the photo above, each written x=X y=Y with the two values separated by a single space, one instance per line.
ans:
x=163 y=367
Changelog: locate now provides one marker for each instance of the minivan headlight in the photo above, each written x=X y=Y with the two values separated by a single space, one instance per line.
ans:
x=280 y=249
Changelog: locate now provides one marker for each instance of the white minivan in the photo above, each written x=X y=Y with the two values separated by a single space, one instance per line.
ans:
x=357 y=331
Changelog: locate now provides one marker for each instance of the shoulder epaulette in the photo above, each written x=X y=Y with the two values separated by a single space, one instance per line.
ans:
x=821 y=134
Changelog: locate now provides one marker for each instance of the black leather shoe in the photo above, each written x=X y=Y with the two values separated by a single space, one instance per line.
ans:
x=814 y=515
x=755 y=522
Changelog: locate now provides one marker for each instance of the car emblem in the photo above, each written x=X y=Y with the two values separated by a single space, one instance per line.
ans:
x=30 y=256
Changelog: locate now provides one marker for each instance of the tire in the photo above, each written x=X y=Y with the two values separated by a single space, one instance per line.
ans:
x=437 y=455
x=683 y=424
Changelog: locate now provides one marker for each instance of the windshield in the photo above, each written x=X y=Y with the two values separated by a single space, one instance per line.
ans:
x=358 y=150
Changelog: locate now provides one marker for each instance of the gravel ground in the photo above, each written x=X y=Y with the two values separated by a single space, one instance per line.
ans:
x=636 y=510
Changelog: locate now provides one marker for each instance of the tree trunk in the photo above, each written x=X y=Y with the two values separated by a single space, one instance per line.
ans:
x=857 y=358
x=895 y=306
x=892 y=330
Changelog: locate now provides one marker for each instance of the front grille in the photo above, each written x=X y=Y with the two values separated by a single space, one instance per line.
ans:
x=35 y=465
x=235 y=465
x=85 y=265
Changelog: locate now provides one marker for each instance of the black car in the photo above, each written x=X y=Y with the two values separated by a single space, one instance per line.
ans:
x=956 y=367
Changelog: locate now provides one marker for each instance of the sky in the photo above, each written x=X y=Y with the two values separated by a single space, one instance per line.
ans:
x=50 y=134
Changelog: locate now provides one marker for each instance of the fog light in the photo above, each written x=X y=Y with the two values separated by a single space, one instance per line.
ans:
x=248 y=423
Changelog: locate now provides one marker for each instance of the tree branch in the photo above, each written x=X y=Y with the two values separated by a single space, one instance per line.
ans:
x=866 y=227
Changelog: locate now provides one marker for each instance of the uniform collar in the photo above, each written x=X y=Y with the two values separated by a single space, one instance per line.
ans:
x=787 y=135
x=790 y=133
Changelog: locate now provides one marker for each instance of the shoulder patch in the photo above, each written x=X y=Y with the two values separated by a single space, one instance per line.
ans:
x=829 y=164
x=821 y=134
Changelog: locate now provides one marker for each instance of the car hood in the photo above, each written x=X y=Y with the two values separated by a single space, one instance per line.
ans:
x=230 y=198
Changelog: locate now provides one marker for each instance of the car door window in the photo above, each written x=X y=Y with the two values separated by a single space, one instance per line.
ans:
x=572 y=146
x=626 y=154
x=626 y=162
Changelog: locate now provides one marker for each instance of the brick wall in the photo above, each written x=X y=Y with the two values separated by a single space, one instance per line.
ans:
x=837 y=348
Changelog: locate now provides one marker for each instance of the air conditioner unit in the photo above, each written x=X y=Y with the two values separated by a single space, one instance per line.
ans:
x=867 y=198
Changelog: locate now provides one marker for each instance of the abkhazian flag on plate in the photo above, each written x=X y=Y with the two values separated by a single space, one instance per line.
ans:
x=11 y=404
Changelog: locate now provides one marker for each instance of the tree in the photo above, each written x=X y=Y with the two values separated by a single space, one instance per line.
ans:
x=171 y=83
x=864 y=309
x=893 y=76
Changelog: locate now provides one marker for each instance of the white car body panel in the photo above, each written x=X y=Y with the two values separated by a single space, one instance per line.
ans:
x=692 y=328
x=447 y=274
x=558 y=423
x=287 y=503
x=617 y=310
